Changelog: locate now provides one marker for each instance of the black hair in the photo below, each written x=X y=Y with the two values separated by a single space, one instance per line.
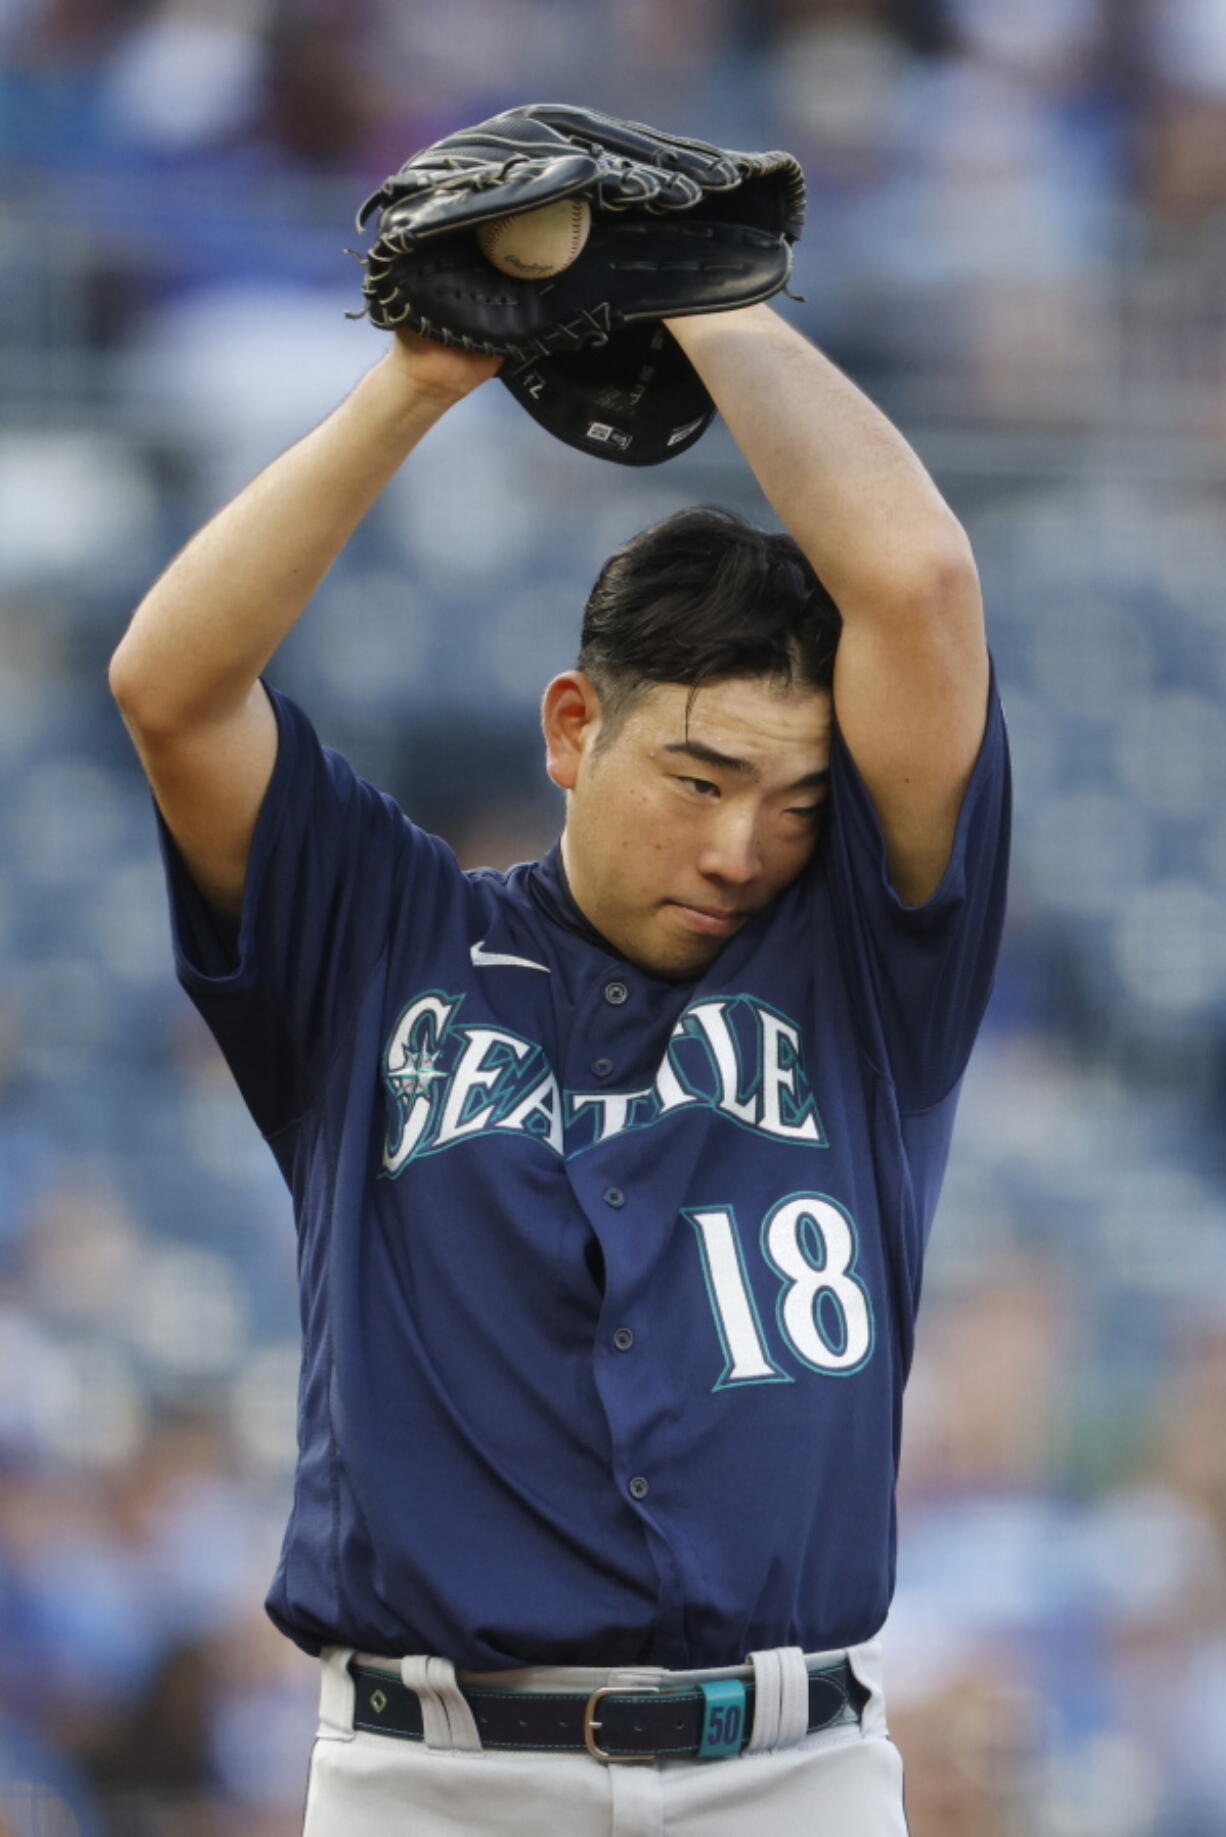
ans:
x=700 y=597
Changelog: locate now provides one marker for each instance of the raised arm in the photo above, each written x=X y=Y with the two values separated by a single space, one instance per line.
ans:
x=911 y=672
x=186 y=673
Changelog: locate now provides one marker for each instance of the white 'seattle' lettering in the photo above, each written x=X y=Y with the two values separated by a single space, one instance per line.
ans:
x=448 y=1082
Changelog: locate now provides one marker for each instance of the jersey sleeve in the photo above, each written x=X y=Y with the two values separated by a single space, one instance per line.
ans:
x=920 y=976
x=330 y=859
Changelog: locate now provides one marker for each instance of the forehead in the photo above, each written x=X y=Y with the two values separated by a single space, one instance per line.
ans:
x=768 y=724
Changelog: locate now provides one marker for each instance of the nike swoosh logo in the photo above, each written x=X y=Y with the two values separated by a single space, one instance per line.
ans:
x=493 y=960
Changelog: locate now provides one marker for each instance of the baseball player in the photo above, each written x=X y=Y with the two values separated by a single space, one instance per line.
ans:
x=612 y=1174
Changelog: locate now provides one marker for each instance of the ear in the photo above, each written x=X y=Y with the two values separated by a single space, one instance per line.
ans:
x=570 y=720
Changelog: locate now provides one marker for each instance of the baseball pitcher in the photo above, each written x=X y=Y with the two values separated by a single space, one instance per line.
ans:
x=612 y=1174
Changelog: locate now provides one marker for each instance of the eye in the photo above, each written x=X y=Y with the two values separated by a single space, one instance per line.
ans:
x=808 y=811
x=703 y=786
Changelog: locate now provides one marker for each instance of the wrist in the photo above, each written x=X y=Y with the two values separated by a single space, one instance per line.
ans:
x=402 y=383
x=696 y=328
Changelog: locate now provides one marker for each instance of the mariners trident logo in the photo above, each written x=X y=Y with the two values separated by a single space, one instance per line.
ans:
x=447 y=1081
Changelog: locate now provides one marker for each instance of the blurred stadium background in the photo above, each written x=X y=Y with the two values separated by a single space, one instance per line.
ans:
x=1017 y=242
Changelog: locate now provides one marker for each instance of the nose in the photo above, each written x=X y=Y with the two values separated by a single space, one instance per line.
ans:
x=731 y=852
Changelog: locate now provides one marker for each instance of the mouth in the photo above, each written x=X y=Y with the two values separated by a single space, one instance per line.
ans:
x=716 y=921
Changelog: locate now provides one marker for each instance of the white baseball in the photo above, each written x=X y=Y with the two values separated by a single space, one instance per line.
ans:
x=537 y=243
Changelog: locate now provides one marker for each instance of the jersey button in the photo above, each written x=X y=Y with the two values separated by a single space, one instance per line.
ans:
x=638 y=1488
x=623 y=1339
x=613 y=1196
x=615 y=993
x=602 y=1067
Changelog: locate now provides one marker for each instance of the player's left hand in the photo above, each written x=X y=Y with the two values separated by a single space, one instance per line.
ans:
x=438 y=369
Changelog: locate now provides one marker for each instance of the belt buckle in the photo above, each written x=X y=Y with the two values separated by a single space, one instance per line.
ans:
x=591 y=1722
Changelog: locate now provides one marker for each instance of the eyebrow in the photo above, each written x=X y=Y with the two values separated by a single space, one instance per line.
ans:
x=710 y=755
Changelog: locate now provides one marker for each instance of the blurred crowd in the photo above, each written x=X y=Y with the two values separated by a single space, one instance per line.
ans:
x=1017 y=242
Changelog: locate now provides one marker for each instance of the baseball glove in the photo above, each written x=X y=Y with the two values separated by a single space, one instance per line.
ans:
x=677 y=227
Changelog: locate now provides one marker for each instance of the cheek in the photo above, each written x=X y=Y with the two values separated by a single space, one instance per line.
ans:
x=648 y=841
x=789 y=856
x=625 y=830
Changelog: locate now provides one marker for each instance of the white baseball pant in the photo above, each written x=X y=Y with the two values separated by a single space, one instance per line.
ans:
x=840 y=1782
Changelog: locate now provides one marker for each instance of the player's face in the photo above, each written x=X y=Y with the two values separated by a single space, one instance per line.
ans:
x=679 y=829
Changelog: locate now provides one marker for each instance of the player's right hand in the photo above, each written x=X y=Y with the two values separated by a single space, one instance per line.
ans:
x=439 y=369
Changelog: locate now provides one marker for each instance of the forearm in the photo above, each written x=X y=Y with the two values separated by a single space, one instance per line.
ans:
x=837 y=473
x=206 y=629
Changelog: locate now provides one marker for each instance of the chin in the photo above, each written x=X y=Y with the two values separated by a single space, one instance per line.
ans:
x=660 y=950
x=677 y=963
x=687 y=972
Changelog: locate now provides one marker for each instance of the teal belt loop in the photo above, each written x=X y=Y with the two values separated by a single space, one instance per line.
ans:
x=723 y=1719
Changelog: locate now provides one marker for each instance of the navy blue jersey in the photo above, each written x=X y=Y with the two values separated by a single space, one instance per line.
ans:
x=608 y=1282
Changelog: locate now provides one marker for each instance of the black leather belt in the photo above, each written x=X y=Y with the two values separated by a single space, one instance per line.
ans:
x=634 y=1722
